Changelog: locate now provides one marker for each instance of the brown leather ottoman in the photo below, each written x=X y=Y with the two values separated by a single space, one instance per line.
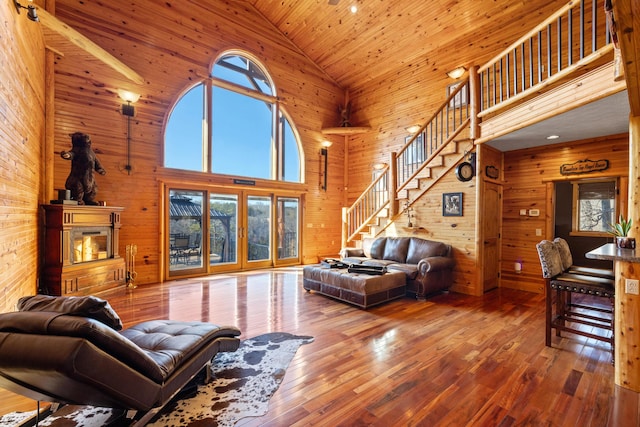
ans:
x=362 y=290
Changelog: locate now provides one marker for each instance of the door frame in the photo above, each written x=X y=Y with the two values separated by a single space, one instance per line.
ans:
x=241 y=263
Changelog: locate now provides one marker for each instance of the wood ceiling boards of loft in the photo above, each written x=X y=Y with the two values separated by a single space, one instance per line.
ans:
x=383 y=37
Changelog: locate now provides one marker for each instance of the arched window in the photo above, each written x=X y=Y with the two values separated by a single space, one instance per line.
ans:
x=246 y=133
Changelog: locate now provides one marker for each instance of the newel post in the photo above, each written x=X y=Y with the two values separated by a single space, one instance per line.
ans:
x=474 y=98
x=627 y=305
x=393 y=185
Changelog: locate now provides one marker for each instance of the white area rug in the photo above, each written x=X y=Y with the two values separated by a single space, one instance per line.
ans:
x=243 y=382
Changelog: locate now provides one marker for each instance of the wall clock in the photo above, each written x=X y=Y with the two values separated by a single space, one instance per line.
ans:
x=464 y=171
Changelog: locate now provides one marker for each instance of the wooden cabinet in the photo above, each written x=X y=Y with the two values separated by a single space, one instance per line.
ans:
x=81 y=250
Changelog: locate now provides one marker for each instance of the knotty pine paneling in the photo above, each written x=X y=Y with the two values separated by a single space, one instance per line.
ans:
x=526 y=175
x=390 y=105
x=21 y=169
x=173 y=48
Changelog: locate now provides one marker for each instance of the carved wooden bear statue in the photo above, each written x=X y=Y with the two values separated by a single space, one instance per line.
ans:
x=80 y=182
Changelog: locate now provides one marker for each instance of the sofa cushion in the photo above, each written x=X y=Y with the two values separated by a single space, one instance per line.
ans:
x=85 y=306
x=421 y=248
x=395 y=249
x=378 y=262
x=410 y=270
x=377 y=248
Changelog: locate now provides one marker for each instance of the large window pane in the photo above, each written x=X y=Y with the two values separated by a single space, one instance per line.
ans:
x=184 y=132
x=259 y=228
x=223 y=229
x=242 y=71
x=185 y=229
x=287 y=228
x=292 y=170
x=242 y=135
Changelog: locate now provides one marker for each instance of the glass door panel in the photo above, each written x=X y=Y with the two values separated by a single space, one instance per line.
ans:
x=258 y=236
x=288 y=220
x=223 y=229
x=185 y=230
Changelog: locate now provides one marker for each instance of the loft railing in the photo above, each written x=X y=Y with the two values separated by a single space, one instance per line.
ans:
x=371 y=202
x=573 y=37
x=451 y=118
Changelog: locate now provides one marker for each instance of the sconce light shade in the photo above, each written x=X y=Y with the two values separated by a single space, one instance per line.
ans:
x=456 y=73
x=127 y=96
x=32 y=13
x=130 y=97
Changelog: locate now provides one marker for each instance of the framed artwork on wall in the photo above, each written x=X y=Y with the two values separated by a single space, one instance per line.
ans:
x=452 y=204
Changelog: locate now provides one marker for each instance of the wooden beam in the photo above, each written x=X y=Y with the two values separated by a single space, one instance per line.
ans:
x=87 y=45
x=627 y=17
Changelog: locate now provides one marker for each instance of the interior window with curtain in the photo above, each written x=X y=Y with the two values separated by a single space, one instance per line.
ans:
x=594 y=206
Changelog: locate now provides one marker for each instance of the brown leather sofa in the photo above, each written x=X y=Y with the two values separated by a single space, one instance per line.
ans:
x=68 y=350
x=427 y=264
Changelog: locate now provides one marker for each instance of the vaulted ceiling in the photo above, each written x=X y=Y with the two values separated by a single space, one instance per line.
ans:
x=384 y=35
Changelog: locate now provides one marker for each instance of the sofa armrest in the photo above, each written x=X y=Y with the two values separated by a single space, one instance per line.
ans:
x=349 y=252
x=435 y=263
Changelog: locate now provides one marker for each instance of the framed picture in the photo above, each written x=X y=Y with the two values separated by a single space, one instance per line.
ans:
x=461 y=99
x=452 y=204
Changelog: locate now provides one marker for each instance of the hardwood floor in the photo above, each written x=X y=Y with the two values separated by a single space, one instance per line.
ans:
x=453 y=360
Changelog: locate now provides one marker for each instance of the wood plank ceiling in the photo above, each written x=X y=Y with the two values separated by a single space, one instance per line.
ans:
x=385 y=35
x=382 y=37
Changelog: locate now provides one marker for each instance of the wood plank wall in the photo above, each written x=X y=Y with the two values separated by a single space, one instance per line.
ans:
x=173 y=47
x=21 y=138
x=526 y=175
x=389 y=106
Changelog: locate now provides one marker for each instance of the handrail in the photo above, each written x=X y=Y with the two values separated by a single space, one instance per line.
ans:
x=370 y=203
x=449 y=119
x=543 y=56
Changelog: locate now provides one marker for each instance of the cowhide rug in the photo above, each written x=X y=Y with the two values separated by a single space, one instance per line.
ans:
x=243 y=382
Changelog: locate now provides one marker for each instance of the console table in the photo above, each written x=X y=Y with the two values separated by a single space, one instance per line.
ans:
x=627 y=318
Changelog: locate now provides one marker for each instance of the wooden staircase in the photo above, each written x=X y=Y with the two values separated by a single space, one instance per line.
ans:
x=428 y=156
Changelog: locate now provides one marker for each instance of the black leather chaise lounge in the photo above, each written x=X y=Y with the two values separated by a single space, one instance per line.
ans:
x=68 y=350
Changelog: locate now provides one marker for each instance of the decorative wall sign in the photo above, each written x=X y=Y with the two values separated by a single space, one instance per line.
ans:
x=452 y=204
x=584 y=166
x=244 y=181
x=492 y=172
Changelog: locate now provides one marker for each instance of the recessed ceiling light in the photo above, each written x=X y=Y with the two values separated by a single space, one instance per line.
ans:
x=553 y=137
x=354 y=8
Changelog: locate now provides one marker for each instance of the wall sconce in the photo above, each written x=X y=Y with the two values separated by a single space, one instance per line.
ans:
x=456 y=73
x=129 y=111
x=32 y=14
x=324 y=151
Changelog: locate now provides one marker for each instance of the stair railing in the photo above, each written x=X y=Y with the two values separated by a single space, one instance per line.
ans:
x=449 y=120
x=573 y=37
x=371 y=202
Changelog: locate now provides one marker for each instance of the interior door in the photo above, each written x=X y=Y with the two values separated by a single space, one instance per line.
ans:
x=492 y=210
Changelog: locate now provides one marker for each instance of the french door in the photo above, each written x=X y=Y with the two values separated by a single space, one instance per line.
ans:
x=243 y=230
